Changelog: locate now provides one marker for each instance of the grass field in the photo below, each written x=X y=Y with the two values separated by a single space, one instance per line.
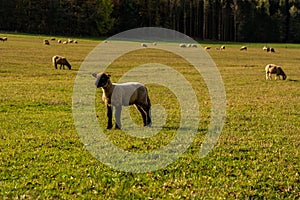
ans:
x=42 y=157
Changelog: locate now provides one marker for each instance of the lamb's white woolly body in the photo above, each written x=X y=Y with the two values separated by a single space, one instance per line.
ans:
x=125 y=94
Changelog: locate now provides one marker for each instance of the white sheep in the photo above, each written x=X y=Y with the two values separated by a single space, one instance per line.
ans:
x=243 y=48
x=62 y=61
x=124 y=94
x=222 y=47
x=274 y=69
x=182 y=45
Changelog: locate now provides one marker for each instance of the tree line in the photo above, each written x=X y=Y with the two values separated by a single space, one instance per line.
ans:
x=223 y=20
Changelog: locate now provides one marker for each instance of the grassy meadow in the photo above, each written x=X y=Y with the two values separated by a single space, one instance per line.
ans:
x=42 y=157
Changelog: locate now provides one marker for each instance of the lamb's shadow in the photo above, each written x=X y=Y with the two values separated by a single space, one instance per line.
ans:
x=293 y=80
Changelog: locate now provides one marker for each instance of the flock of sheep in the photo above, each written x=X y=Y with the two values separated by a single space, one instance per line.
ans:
x=135 y=93
x=69 y=41
x=60 y=60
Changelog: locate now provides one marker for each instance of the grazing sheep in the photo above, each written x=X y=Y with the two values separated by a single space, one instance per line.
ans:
x=58 y=41
x=154 y=43
x=182 y=45
x=62 y=61
x=70 y=41
x=222 y=47
x=124 y=94
x=243 y=48
x=274 y=69
x=207 y=48
x=194 y=46
x=3 y=39
x=75 y=41
x=143 y=45
x=46 y=42
x=65 y=42
x=53 y=38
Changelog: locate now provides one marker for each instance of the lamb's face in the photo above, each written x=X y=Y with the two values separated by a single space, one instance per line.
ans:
x=102 y=79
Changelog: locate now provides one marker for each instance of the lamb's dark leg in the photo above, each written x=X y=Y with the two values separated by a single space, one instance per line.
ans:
x=118 y=117
x=147 y=110
x=140 y=109
x=109 y=116
x=148 y=113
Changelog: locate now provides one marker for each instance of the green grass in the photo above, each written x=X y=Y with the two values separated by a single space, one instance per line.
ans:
x=42 y=157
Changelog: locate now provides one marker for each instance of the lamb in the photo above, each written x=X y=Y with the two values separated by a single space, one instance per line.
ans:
x=62 y=61
x=124 y=94
x=274 y=69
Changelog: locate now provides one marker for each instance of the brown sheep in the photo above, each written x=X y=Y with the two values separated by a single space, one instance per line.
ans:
x=62 y=61
x=274 y=69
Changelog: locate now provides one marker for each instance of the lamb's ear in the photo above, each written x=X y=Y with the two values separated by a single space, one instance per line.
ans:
x=94 y=75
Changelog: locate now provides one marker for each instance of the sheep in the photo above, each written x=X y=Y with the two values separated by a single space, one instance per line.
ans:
x=124 y=94
x=222 y=47
x=207 y=48
x=46 y=42
x=274 y=69
x=53 y=38
x=59 y=41
x=272 y=50
x=243 y=48
x=3 y=39
x=194 y=46
x=182 y=45
x=65 y=42
x=62 y=61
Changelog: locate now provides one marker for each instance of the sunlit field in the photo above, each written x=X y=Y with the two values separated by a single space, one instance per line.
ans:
x=42 y=156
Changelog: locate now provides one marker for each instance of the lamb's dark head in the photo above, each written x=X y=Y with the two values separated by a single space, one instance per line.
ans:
x=102 y=79
x=283 y=76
